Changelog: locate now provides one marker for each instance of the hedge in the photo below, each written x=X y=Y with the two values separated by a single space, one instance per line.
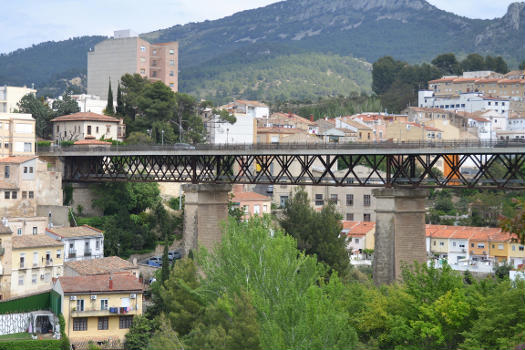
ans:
x=26 y=304
x=46 y=344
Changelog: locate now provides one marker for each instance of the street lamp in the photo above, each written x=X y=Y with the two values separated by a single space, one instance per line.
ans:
x=162 y=136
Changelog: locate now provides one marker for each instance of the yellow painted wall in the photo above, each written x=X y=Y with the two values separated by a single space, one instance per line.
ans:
x=92 y=312
x=513 y=250
x=370 y=239
x=495 y=250
x=436 y=247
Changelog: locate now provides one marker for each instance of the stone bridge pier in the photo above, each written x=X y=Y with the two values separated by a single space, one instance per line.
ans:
x=205 y=208
x=400 y=231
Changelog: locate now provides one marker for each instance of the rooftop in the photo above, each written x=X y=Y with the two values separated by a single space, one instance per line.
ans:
x=250 y=103
x=92 y=142
x=357 y=228
x=33 y=241
x=103 y=266
x=295 y=117
x=17 y=160
x=85 y=116
x=100 y=283
x=78 y=231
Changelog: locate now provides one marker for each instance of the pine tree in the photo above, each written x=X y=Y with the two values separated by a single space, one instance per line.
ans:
x=109 y=106
x=120 y=101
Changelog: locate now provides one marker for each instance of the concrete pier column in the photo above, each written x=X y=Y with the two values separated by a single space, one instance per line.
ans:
x=400 y=231
x=205 y=207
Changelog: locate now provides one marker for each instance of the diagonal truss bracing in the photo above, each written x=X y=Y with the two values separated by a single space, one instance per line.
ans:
x=498 y=170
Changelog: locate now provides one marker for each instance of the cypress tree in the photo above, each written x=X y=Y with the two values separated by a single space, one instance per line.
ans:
x=120 y=102
x=109 y=106
x=165 y=272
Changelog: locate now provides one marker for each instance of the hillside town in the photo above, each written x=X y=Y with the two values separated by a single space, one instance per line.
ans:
x=95 y=264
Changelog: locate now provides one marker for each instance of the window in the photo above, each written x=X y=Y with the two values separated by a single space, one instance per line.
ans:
x=96 y=130
x=256 y=209
x=172 y=52
x=319 y=199
x=7 y=171
x=154 y=52
x=35 y=259
x=7 y=195
x=472 y=245
x=19 y=231
x=333 y=198
x=172 y=62
x=441 y=244
x=265 y=208
x=80 y=305
x=154 y=74
x=25 y=170
x=14 y=194
x=31 y=194
x=143 y=48
x=28 y=146
x=142 y=71
x=103 y=304
x=349 y=216
x=520 y=248
x=80 y=324
x=24 y=194
x=6 y=144
x=59 y=253
x=35 y=230
x=125 y=322
x=513 y=248
x=97 y=244
x=58 y=129
x=434 y=242
x=171 y=73
x=481 y=245
x=356 y=240
x=367 y=217
x=454 y=244
x=172 y=85
x=366 y=200
x=108 y=129
x=245 y=208
x=33 y=278
x=500 y=246
x=22 y=260
x=103 y=323
x=89 y=129
x=282 y=201
x=349 y=200
x=21 y=278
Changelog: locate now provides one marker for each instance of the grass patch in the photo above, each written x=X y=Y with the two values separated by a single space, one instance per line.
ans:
x=15 y=336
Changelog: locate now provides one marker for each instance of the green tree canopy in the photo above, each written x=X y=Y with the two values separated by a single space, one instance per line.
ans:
x=41 y=113
x=447 y=64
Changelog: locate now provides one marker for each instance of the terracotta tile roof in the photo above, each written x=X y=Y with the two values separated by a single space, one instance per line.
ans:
x=465 y=80
x=100 y=284
x=357 y=228
x=32 y=241
x=250 y=196
x=7 y=186
x=17 y=160
x=78 y=231
x=92 y=142
x=85 y=116
x=442 y=80
x=487 y=80
x=360 y=126
x=511 y=81
x=427 y=128
x=295 y=117
x=103 y=266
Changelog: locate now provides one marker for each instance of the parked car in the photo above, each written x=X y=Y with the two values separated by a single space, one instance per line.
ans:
x=155 y=261
x=174 y=255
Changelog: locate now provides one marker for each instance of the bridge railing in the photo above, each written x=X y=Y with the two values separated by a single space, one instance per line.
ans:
x=286 y=146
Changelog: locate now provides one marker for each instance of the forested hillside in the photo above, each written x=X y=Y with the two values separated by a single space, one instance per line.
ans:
x=280 y=78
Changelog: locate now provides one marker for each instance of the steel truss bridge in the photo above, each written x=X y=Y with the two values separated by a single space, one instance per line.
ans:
x=496 y=165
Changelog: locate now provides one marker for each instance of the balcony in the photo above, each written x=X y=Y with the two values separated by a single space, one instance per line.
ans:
x=49 y=262
x=94 y=312
x=72 y=253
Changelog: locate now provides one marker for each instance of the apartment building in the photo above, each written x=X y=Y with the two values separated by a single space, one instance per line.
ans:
x=241 y=108
x=99 y=308
x=17 y=134
x=18 y=186
x=399 y=131
x=10 y=96
x=80 y=242
x=289 y=120
x=125 y=53
x=251 y=203
x=35 y=260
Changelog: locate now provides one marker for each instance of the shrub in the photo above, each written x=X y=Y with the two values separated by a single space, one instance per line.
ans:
x=46 y=344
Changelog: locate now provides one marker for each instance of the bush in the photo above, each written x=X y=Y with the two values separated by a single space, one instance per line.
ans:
x=64 y=339
x=47 y=344
x=95 y=221
x=43 y=144
x=67 y=143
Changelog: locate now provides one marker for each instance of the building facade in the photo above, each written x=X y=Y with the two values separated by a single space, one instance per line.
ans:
x=99 y=307
x=10 y=96
x=87 y=125
x=112 y=58
x=17 y=134
x=79 y=243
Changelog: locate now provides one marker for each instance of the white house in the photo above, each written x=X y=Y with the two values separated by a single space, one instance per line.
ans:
x=516 y=122
x=81 y=242
x=221 y=132
x=91 y=103
x=482 y=125
x=458 y=247
x=464 y=102
x=87 y=125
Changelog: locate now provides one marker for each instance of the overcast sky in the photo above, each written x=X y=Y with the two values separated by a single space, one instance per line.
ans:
x=27 y=22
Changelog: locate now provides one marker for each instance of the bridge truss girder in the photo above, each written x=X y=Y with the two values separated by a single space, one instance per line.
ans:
x=497 y=171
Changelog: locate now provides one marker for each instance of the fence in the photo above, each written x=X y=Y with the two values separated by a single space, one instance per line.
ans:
x=43 y=301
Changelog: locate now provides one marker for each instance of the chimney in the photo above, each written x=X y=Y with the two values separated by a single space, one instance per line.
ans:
x=311 y=117
x=110 y=283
